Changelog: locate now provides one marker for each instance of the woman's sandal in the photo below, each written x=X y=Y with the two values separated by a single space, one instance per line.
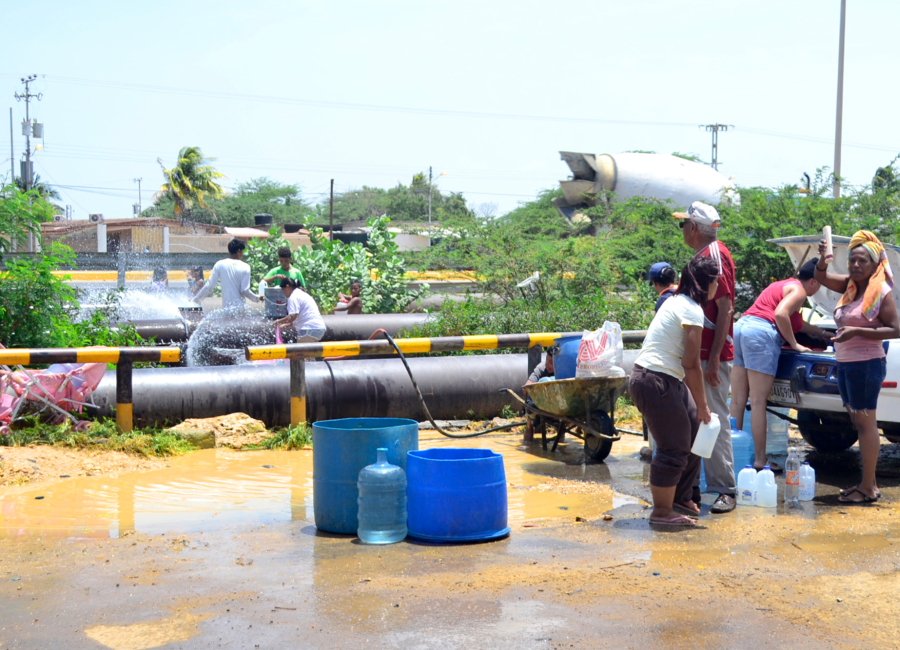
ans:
x=865 y=497
x=686 y=510
x=675 y=521
x=855 y=488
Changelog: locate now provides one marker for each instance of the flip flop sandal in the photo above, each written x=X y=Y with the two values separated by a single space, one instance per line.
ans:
x=865 y=497
x=855 y=488
x=694 y=514
x=679 y=521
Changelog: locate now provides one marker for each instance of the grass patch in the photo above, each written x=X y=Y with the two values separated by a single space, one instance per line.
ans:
x=99 y=435
x=296 y=437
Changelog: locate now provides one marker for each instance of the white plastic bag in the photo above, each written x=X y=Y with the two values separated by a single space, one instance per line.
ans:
x=600 y=353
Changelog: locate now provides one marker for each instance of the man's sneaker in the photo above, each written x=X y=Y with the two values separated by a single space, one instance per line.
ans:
x=723 y=503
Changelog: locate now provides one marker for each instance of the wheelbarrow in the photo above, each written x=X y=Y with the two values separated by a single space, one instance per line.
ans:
x=582 y=406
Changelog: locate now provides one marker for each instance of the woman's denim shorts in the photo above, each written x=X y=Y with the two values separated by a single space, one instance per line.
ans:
x=757 y=345
x=860 y=382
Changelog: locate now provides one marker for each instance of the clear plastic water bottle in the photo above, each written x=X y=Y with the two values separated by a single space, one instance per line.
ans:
x=766 y=495
x=777 y=436
x=382 y=502
x=807 y=482
x=792 y=479
x=746 y=486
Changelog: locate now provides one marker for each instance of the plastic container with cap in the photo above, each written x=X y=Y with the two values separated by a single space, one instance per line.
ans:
x=706 y=438
x=382 y=501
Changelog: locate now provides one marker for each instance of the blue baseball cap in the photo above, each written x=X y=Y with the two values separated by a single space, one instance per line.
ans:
x=656 y=271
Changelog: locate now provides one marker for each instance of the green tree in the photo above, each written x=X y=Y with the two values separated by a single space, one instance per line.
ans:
x=190 y=182
x=262 y=195
x=39 y=309
x=21 y=216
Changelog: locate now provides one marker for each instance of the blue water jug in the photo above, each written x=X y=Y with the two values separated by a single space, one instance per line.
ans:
x=742 y=443
x=703 y=484
x=382 y=502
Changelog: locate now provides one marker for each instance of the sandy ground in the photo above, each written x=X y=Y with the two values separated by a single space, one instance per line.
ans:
x=581 y=568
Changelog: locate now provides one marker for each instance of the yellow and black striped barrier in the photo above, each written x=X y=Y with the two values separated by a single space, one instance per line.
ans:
x=299 y=352
x=123 y=358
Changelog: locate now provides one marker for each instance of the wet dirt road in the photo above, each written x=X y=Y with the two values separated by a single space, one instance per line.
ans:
x=219 y=550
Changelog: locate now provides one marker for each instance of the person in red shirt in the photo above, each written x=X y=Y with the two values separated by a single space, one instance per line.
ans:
x=771 y=322
x=700 y=228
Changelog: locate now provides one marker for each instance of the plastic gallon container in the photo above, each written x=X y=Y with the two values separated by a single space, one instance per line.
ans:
x=746 y=486
x=777 y=435
x=766 y=490
x=456 y=495
x=567 y=358
x=706 y=438
x=807 y=482
x=341 y=448
x=382 y=502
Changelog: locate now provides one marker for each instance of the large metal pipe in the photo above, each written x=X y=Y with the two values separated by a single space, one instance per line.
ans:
x=339 y=328
x=454 y=387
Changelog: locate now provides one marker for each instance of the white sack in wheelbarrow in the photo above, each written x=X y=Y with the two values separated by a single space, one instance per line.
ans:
x=600 y=353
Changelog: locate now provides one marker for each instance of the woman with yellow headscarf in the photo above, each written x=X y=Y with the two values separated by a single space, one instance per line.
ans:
x=866 y=315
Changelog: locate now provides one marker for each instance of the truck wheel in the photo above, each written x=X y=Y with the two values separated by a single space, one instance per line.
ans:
x=595 y=448
x=828 y=432
x=891 y=432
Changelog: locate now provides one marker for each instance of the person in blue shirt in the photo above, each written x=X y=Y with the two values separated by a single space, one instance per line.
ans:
x=663 y=278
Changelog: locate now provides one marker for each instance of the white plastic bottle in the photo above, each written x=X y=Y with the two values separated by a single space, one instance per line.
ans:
x=792 y=479
x=807 y=482
x=766 y=495
x=746 y=486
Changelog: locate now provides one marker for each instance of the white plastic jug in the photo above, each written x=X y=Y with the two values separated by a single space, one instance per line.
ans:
x=766 y=489
x=807 y=482
x=746 y=486
x=706 y=438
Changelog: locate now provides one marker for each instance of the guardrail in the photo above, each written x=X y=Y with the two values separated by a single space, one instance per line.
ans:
x=298 y=353
x=123 y=358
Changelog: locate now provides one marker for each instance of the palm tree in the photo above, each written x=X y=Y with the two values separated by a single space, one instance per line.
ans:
x=190 y=182
x=45 y=191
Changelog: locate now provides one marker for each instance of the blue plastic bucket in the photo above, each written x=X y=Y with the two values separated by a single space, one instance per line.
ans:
x=456 y=495
x=567 y=357
x=341 y=448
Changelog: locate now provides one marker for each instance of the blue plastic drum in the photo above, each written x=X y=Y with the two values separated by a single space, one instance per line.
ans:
x=567 y=357
x=456 y=495
x=341 y=448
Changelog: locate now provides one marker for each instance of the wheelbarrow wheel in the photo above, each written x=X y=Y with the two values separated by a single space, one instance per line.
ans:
x=597 y=448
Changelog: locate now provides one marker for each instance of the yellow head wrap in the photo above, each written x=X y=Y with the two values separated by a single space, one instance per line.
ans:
x=880 y=282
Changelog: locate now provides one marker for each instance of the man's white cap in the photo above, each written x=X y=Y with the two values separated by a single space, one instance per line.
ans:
x=701 y=213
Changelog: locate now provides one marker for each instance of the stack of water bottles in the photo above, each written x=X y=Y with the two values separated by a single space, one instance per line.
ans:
x=759 y=488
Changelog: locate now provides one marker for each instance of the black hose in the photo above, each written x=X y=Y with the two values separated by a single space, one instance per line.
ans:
x=509 y=425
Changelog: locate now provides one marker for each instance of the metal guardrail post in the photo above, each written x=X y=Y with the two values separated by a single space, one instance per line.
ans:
x=124 y=403
x=298 y=390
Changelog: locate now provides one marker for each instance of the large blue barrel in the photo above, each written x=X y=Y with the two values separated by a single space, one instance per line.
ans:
x=567 y=357
x=341 y=448
x=456 y=495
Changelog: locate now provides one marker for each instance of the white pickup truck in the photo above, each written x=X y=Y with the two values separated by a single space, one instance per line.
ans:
x=807 y=381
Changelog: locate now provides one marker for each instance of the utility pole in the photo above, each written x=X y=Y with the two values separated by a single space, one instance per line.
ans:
x=12 y=155
x=839 y=113
x=430 y=192
x=139 y=206
x=331 y=211
x=714 y=129
x=27 y=172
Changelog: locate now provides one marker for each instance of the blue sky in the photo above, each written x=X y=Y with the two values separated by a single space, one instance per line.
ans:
x=485 y=92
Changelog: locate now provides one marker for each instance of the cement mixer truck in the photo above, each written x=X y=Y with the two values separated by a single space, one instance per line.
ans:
x=657 y=176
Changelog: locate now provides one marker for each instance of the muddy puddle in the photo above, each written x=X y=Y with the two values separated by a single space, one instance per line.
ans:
x=216 y=489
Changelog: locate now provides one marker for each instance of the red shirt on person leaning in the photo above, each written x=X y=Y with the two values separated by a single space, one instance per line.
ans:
x=719 y=252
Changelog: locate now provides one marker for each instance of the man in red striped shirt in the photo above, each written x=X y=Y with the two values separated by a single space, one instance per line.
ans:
x=700 y=227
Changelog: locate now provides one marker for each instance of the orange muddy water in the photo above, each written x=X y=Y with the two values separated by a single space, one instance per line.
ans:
x=219 y=550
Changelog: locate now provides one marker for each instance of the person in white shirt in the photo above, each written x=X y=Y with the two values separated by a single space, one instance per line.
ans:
x=233 y=273
x=303 y=313
x=667 y=387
